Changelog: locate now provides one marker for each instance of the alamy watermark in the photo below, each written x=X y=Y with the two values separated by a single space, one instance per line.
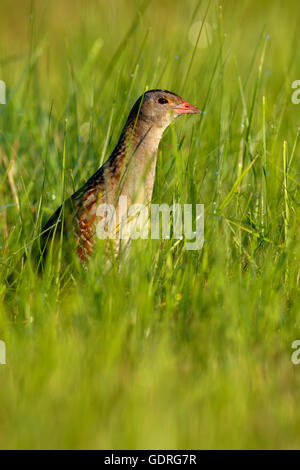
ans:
x=136 y=221
x=2 y=352
x=296 y=94
x=2 y=92
x=295 y=358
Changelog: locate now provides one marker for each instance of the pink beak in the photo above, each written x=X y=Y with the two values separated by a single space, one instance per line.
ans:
x=186 y=108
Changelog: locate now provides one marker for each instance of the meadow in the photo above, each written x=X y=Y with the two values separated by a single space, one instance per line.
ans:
x=170 y=348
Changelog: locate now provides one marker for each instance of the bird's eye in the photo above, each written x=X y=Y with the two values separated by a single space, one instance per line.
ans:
x=162 y=100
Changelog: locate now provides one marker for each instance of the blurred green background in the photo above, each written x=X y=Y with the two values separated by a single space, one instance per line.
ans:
x=173 y=348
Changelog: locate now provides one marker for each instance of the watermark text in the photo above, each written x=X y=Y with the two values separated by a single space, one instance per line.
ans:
x=2 y=352
x=295 y=358
x=296 y=94
x=156 y=221
x=2 y=92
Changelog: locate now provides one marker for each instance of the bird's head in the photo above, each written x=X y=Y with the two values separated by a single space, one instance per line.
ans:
x=160 y=107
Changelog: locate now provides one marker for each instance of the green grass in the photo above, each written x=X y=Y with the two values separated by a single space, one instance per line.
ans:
x=172 y=348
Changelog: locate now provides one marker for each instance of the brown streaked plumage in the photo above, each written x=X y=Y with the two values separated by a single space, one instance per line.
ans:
x=129 y=171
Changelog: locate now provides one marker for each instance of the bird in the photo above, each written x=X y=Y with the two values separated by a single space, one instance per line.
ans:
x=129 y=171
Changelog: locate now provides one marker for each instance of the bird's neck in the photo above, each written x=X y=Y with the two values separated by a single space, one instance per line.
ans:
x=136 y=154
x=142 y=138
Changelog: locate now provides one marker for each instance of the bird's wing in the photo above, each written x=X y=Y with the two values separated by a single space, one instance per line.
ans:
x=76 y=216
